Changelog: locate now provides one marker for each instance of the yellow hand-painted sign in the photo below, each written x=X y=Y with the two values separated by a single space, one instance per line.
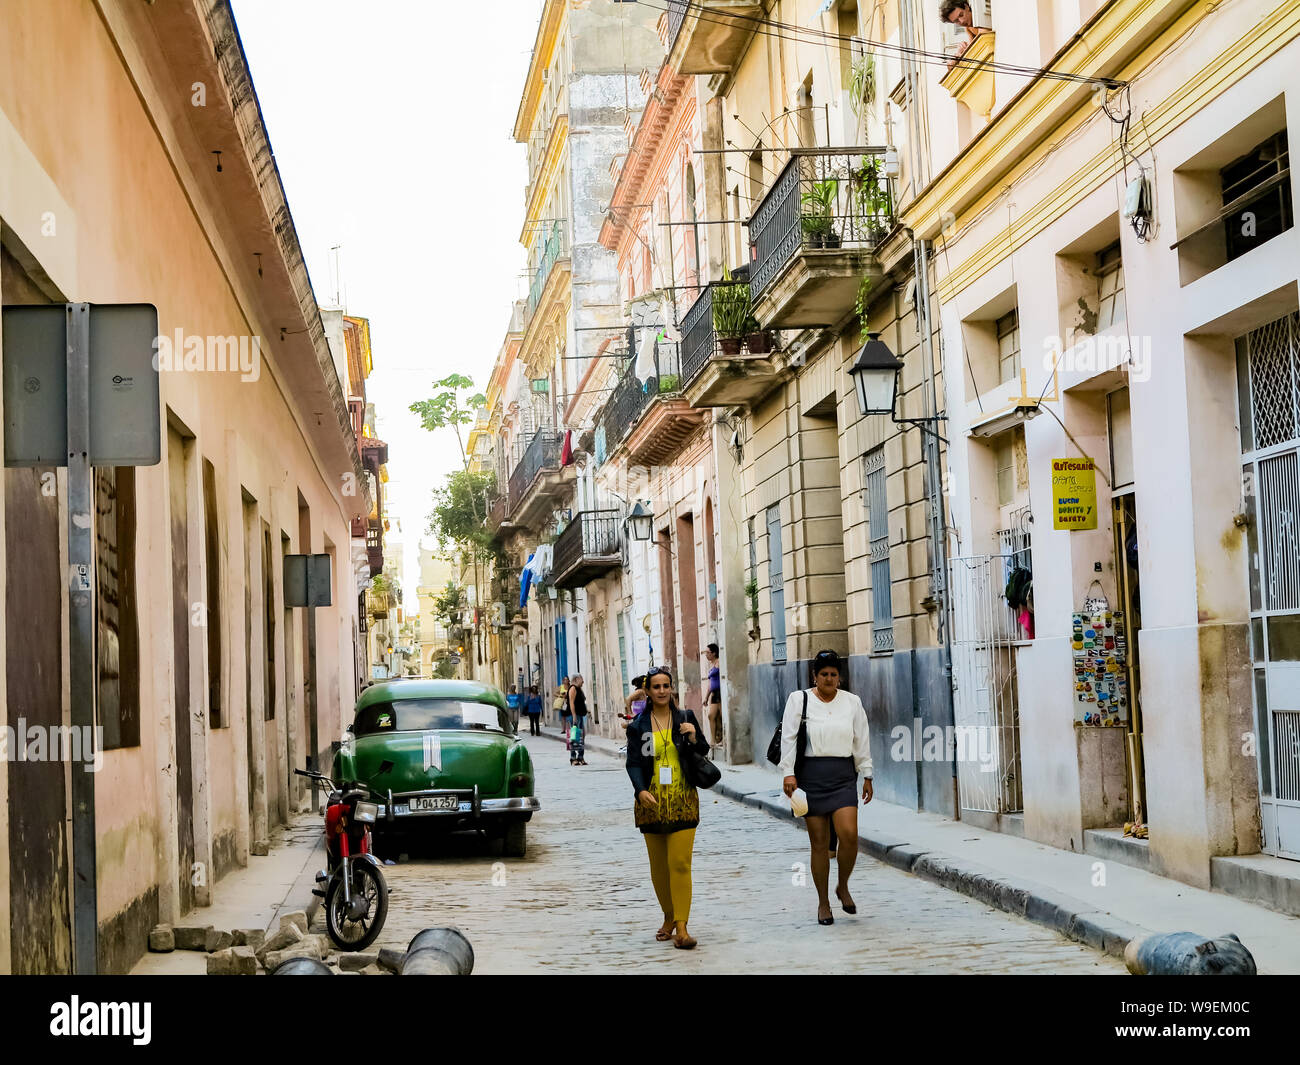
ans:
x=1074 y=494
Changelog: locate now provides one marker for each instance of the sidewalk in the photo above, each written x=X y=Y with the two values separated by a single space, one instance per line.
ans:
x=254 y=896
x=1099 y=903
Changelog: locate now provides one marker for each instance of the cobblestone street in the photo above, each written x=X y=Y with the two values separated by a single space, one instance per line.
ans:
x=581 y=901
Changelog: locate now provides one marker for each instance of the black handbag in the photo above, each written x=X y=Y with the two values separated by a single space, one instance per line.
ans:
x=696 y=768
x=774 y=748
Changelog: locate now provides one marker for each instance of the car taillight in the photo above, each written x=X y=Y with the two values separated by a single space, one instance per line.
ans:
x=519 y=780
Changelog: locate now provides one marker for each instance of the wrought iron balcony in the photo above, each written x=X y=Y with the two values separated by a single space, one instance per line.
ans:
x=710 y=36
x=650 y=418
x=723 y=363
x=555 y=249
x=539 y=455
x=815 y=234
x=587 y=548
x=498 y=514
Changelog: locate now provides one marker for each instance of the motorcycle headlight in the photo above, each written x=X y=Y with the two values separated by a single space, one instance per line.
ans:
x=365 y=812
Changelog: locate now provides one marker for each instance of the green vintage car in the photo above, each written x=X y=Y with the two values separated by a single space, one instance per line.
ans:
x=440 y=756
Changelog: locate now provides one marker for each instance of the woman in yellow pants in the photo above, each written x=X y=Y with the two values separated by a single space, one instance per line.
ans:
x=667 y=807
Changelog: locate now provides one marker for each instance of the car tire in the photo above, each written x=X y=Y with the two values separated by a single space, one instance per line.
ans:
x=514 y=844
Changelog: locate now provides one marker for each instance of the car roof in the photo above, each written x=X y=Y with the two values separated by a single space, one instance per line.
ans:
x=472 y=691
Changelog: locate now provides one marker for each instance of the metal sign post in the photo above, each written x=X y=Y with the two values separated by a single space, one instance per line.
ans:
x=81 y=638
x=81 y=389
x=307 y=584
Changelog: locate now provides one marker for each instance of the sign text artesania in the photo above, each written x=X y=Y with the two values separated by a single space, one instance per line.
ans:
x=1074 y=494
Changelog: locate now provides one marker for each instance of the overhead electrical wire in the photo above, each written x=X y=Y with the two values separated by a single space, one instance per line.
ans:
x=809 y=35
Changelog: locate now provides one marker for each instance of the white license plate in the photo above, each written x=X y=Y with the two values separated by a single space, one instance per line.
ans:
x=426 y=803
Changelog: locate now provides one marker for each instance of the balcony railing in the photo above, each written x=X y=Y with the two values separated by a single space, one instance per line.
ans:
x=541 y=453
x=631 y=396
x=676 y=13
x=555 y=249
x=498 y=512
x=823 y=200
x=700 y=339
x=588 y=547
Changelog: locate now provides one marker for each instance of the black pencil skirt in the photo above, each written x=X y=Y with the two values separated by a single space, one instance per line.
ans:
x=830 y=784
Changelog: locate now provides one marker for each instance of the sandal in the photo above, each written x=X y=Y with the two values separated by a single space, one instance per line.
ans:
x=686 y=942
x=662 y=936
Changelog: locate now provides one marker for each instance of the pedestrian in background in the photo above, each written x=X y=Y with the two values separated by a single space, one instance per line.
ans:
x=533 y=708
x=577 y=722
x=825 y=745
x=512 y=701
x=561 y=707
x=713 y=696
x=667 y=809
x=635 y=703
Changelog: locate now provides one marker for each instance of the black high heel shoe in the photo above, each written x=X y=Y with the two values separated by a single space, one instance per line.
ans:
x=847 y=907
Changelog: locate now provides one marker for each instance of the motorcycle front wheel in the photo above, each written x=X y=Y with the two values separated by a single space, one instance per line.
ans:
x=369 y=888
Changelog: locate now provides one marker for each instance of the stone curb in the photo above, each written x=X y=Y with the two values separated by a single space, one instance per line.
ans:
x=1069 y=916
x=1065 y=914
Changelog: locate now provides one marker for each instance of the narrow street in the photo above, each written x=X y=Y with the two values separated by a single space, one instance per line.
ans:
x=581 y=901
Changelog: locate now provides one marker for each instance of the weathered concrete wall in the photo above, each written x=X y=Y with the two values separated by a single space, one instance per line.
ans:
x=143 y=233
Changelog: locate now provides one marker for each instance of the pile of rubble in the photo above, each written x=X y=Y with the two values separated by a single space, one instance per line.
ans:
x=247 y=951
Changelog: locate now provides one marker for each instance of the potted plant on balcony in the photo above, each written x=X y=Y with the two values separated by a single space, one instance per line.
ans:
x=757 y=339
x=875 y=204
x=731 y=313
x=817 y=217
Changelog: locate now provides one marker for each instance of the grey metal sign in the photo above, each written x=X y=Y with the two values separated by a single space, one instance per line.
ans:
x=125 y=425
x=307 y=580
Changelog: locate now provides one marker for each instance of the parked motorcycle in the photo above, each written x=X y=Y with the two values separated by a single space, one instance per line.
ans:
x=353 y=887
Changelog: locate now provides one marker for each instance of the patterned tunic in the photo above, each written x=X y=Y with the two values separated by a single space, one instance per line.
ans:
x=679 y=803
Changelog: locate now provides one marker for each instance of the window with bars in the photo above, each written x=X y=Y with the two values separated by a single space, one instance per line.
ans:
x=1110 y=287
x=1257 y=196
x=1004 y=455
x=1008 y=331
x=882 y=607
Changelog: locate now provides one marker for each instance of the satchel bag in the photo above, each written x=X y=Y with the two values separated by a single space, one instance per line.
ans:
x=774 y=748
x=696 y=768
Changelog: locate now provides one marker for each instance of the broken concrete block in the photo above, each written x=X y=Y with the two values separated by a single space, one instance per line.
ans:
x=250 y=937
x=354 y=963
x=218 y=940
x=285 y=937
x=192 y=937
x=297 y=918
x=162 y=940
x=232 y=961
x=260 y=848
x=273 y=958
x=390 y=960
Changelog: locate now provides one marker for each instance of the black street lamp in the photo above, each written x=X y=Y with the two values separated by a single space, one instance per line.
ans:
x=641 y=522
x=875 y=375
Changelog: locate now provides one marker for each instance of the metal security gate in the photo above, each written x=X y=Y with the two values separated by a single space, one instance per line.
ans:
x=1268 y=379
x=985 y=706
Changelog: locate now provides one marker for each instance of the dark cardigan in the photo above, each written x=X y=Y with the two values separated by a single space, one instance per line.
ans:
x=641 y=767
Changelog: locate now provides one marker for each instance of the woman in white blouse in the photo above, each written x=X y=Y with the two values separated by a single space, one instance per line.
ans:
x=825 y=746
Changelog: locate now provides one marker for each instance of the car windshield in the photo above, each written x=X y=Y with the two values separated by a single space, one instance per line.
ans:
x=419 y=715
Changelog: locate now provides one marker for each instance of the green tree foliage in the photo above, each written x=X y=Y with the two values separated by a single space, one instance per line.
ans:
x=460 y=509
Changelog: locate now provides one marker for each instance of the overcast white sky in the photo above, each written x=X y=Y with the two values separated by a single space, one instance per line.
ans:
x=391 y=125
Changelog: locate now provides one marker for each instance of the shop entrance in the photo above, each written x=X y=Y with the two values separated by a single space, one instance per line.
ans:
x=1268 y=382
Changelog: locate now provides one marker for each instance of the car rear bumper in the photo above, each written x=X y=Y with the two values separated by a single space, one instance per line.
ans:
x=468 y=806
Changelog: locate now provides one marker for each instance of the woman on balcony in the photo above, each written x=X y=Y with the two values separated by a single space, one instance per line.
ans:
x=667 y=809
x=825 y=746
